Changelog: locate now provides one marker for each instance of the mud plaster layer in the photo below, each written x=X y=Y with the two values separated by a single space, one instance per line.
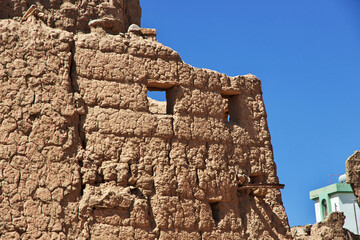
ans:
x=331 y=228
x=74 y=15
x=353 y=173
x=82 y=156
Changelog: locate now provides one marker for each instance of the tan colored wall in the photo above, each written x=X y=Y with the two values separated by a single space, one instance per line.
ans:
x=82 y=157
x=74 y=15
x=353 y=173
x=39 y=170
x=328 y=229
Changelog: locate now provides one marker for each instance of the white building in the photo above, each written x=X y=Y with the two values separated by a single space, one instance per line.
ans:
x=338 y=197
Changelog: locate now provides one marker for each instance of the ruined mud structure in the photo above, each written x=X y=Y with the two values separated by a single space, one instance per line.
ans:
x=353 y=173
x=331 y=228
x=85 y=154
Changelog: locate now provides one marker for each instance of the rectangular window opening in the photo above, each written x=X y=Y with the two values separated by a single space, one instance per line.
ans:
x=232 y=111
x=161 y=101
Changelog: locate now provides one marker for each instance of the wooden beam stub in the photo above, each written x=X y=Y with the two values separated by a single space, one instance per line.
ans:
x=257 y=186
x=160 y=85
x=229 y=92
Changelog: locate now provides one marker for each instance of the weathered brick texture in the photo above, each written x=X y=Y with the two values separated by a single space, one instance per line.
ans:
x=84 y=156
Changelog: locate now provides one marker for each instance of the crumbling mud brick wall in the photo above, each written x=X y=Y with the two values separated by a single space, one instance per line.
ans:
x=74 y=15
x=39 y=172
x=353 y=173
x=85 y=154
x=328 y=229
x=182 y=169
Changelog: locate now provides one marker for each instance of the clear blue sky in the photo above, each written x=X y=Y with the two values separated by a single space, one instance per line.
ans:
x=307 y=55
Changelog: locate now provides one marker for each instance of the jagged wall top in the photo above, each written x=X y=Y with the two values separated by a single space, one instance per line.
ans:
x=74 y=15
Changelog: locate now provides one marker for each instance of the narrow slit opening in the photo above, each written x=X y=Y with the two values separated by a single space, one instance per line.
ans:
x=215 y=210
x=232 y=110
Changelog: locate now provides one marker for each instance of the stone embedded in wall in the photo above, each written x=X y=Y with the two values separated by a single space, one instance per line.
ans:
x=85 y=154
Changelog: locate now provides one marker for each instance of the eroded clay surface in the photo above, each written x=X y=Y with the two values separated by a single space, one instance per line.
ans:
x=39 y=141
x=74 y=15
x=353 y=173
x=83 y=155
x=331 y=228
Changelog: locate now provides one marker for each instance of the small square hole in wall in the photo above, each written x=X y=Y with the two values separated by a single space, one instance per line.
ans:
x=161 y=101
x=257 y=178
x=232 y=111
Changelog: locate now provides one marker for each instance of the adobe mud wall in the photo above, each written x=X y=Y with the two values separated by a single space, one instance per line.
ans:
x=353 y=173
x=74 y=15
x=331 y=228
x=84 y=155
